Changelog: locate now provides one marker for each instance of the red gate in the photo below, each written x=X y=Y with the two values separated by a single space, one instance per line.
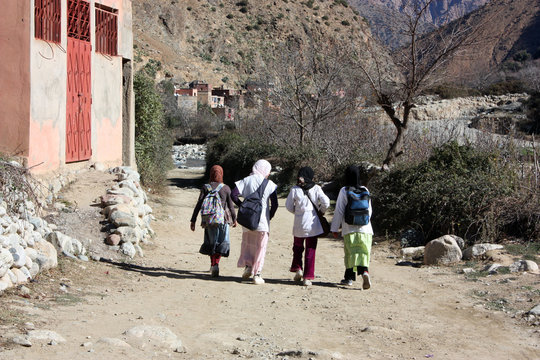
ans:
x=79 y=92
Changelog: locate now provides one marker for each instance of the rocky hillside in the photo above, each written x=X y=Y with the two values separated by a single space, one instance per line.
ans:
x=382 y=13
x=220 y=41
x=505 y=30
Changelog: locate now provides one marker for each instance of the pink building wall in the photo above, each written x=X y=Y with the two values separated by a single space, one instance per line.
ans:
x=33 y=91
x=14 y=77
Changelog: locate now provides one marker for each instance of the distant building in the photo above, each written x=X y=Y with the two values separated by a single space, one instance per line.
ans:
x=233 y=98
x=224 y=113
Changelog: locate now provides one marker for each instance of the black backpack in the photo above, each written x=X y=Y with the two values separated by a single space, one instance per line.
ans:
x=249 y=212
x=357 y=209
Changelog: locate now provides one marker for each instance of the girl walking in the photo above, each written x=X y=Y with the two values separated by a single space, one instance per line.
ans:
x=253 y=248
x=357 y=238
x=304 y=200
x=216 y=232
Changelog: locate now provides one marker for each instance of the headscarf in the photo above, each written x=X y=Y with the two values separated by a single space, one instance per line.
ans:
x=216 y=174
x=305 y=178
x=352 y=176
x=261 y=167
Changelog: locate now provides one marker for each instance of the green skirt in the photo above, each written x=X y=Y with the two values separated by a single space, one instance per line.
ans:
x=357 y=247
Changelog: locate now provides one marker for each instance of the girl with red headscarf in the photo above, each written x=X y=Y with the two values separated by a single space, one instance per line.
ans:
x=216 y=236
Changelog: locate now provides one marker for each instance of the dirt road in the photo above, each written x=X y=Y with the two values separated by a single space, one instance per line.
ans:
x=409 y=313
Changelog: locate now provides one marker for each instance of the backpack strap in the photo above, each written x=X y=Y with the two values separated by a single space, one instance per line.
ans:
x=262 y=187
x=315 y=207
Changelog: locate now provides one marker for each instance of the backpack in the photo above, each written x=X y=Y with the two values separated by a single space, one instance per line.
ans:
x=212 y=212
x=249 y=212
x=357 y=209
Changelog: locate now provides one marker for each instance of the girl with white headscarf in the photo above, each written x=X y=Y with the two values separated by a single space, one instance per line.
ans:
x=253 y=249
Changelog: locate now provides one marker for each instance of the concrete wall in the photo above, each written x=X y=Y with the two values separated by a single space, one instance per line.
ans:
x=48 y=77
x=14 y=77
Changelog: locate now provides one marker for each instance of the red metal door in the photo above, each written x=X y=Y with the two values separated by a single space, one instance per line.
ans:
x=79 y=94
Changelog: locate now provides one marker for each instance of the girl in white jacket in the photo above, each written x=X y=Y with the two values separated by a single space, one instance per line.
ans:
x=307 y=226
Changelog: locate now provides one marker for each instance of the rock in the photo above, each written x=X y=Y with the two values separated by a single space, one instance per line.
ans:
x=21 y=340
x=459 y=241
x=411 y=238
x=114 y=342
x=414 y=253
x=128 y=234
x=6 y=261
x=467 y=270
x=479 y=250
x=128 y=249
x=21 y=277
x=99 y=166
x=47 y=257
x=46 y=335
x=493 y=268
x=534 y=311
x=524 y=265
x=23 y=290
x=159 y=334
x=61 y=242
x=108 y=200
x=442 y=251
x=113 y=239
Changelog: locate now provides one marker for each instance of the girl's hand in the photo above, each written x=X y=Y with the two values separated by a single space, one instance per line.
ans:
x=234 y=224
x=192 y=226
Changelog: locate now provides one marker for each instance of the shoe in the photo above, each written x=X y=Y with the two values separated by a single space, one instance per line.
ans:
x=346 y=282
x=298 y=275
x=247 y=273
x=367 y=281
x=307 y=282
x=258 y=280
x=214 y=270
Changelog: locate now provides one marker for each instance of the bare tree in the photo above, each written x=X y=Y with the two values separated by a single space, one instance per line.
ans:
x=304 y=87
x=415 y=67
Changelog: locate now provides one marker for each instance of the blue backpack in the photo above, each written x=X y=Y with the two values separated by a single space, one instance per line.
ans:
x=249 y=212
x=212 y=212
x=357 y=209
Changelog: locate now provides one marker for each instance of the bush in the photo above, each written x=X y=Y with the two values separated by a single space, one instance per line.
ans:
x=152 y=142
x=505 y=87
x=451 y=91
x=450 y=193
x=533 y=113
x=236 y=154
x=522 y=56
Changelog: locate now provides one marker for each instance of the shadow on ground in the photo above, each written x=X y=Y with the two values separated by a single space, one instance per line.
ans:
x=201 y=275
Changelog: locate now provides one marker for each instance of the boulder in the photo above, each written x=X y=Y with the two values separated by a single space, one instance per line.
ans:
x=47 y=256
x=6 y=261
x=19 y=256
x=442 y=251
x=157 y=334
x=113 y=240
x=128 y=249
x=479 y=250
x=459 y=241
x=524 y=265
x=414 y=253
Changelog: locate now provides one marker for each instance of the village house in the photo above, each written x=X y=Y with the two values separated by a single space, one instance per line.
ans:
x=66 y=83
x=186 y=100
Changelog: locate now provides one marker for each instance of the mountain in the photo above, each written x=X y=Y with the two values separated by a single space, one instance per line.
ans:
x=220 y=41
x=507 y=32
x=384 y=14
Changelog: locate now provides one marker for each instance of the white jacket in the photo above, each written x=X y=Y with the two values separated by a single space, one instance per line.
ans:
x=306 y=222
x=339 y=215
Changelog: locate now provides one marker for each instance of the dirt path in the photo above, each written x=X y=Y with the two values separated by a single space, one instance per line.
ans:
x=410 y=313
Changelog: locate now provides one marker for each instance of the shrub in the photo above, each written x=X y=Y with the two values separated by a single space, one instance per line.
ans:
x=342 y=2
x=533 y=113
x=505 y=87
x=521 y=56
x=236 y=154
x=243 y=10
x=450 y=193
x=152 y=143
x=451 y=91
x=242 y=3
x=345 y=23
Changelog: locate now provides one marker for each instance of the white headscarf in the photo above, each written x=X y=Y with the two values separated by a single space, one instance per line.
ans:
x=261 y=167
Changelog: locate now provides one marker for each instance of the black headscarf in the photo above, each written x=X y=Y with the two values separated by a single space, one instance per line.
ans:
x=305 y=178
x=352 y=176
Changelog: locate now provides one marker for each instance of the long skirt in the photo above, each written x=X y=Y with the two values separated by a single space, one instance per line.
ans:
x=253 y=250
x=216 y=240
x=357 y=247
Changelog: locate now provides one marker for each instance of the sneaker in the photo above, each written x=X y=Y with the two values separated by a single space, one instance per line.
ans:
x=247 y=273
x=258 y=280
x=367 y=282
x=346 y=282
x=214 y=270
x=298 y=275
x=307 y=282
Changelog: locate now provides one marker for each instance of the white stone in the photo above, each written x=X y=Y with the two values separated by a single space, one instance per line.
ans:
x=20 y=275
x=46 y=335
x=19 y=256
x=128 y=249
x=524 y=265
x=535 y=310
x=47 y=255
x=114 y=342
x=413 y=252
x=478 y=250
x=442 y=251
x=31 y=253
x=6 y=261
x=159 y=334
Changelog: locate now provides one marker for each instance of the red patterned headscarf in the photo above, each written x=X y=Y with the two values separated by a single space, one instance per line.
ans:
x=216 y=174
